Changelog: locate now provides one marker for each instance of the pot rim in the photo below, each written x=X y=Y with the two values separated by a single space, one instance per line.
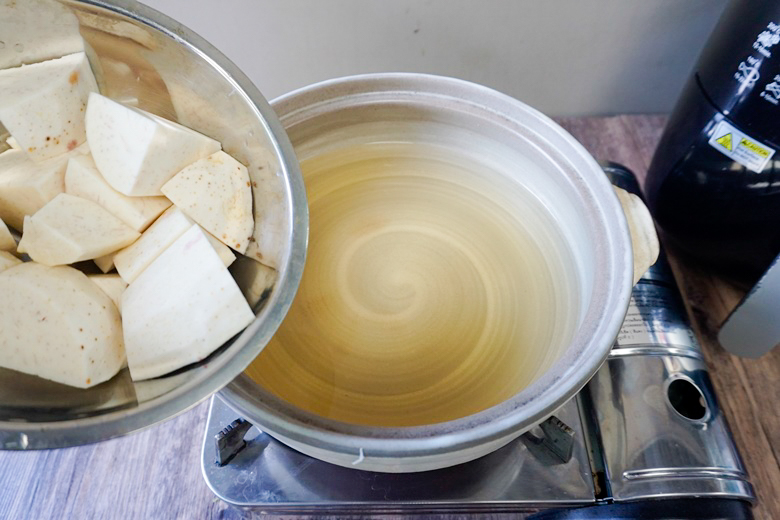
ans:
x=578 y=363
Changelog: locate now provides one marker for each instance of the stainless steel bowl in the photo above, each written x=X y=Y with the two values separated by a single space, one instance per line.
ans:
x=146 y=59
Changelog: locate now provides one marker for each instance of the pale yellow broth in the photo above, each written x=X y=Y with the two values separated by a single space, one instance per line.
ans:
x=428 y=294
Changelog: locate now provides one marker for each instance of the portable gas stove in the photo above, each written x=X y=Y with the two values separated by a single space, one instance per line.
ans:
x=647 y=427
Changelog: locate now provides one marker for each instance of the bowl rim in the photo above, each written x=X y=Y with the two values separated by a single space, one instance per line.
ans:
x=612 y=285
x=230 y=363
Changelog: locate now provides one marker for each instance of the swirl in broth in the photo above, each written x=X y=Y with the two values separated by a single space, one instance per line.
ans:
x=429 y=293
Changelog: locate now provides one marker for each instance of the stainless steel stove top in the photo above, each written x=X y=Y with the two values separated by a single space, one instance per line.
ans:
x=269 y=475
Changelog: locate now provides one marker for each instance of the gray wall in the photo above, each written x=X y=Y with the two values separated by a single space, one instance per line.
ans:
x=564 y=57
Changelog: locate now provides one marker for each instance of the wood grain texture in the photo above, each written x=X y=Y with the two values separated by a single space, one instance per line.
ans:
x=156 y=473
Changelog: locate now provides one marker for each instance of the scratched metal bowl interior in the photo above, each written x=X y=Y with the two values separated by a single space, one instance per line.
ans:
x=145 y=59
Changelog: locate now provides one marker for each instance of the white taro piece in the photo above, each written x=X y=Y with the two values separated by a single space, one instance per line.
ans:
x=217 y=194
x=137 y=152
x=83 y=179
x=43 y=105
x=112 y=285
x=7 y=260
x=70 y=229
x=26 y=186
x=37 y=30
x=181 y=308
x=173 y=223
x=106 y=262
x=7 y=242
x=57 y=324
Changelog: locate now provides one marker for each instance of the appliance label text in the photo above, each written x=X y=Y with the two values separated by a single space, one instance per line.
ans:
x=740 y=147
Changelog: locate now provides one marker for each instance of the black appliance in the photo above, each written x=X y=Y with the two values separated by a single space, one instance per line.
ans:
x=714 y=182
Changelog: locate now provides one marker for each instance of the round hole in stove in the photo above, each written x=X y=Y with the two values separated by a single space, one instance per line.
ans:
x=687 y=399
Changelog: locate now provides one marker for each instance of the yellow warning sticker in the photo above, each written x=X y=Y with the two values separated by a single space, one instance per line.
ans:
x=754 y=147
x=724 y=141
x=740 y=147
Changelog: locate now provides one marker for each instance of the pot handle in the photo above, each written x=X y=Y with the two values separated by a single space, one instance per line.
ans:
x=644 y=239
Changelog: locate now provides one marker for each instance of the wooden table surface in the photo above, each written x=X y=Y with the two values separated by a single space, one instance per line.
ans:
x=156 y=473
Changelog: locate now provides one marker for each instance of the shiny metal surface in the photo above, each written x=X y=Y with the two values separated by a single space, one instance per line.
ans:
x=652 y=450
x=660 y=431
x=230 y=440
x=591 y=220
x=145 y=59
x=555 y=437
x=656 y=321
x=269 y=476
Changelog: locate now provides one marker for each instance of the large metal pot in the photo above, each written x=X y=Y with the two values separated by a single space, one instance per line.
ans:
x=145 y=59
x=570 y=185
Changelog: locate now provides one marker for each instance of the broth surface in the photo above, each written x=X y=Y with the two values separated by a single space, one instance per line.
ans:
x=430 y=289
